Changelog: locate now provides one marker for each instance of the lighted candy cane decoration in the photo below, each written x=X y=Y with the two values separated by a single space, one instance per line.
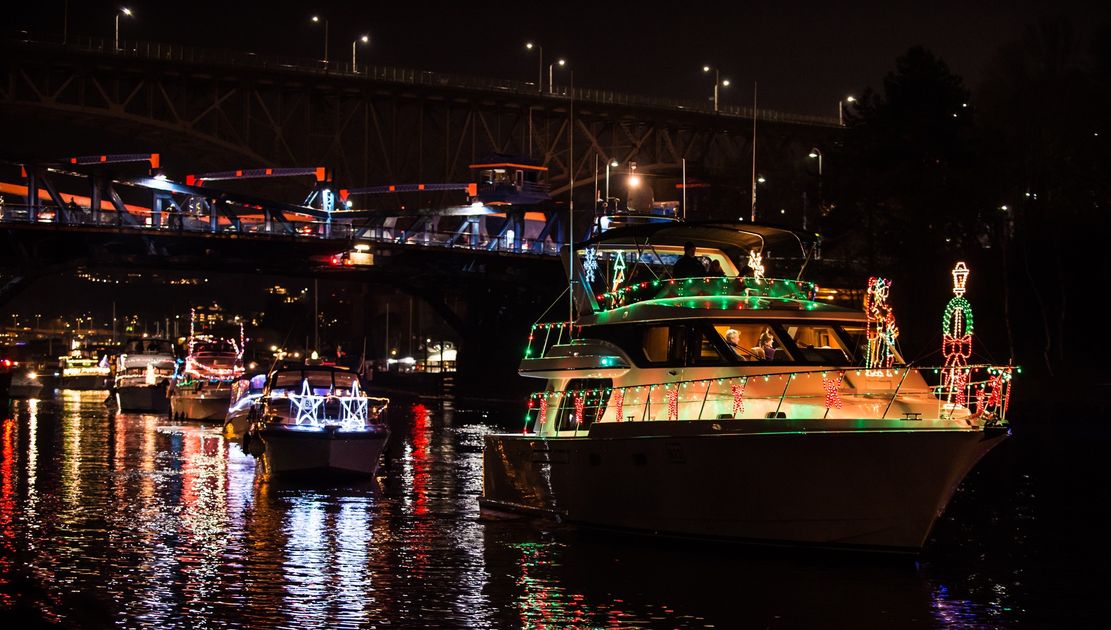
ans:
x=619 y=403
x=738 y=391
x=880 y=327
x=542 y=412
x=956 y=344
x=580 y=405
x=673 y=403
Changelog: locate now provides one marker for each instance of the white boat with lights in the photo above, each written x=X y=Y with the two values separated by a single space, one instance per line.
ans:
x=738 y=407
x=144 y=371
x=316 y=419
x=84 y=373
x=203 y=388
x=25 y=382
x=245 y=391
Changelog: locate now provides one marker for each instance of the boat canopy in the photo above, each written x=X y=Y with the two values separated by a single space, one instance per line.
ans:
x=734 y=239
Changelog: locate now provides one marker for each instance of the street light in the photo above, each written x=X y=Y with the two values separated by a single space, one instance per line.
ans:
x=316 y=19
x=551 y=84
x=364 y=39
x=815 y=153
x=571 y=189
x=610 y=164
x=718 y=83
x=540 y=66
x=841 y=108
x=123 y=11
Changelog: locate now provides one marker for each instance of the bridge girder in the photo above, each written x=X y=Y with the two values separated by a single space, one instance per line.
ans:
x=375 y=127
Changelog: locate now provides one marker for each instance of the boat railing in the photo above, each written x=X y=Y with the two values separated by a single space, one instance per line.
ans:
x=547 y=335
x=978 y=392
x=708 y=287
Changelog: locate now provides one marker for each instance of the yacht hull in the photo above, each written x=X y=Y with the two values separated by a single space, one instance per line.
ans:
x=765 y=482
x=209 y=406
x=292 y=451
x=84 y=382
x=150 y=398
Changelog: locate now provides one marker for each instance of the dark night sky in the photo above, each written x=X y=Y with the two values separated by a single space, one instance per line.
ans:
x=805 y=56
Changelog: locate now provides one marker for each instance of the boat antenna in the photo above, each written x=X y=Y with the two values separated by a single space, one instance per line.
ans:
x=754 y=151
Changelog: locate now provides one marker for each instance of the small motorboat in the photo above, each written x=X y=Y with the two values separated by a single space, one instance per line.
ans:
x=203 y=389
x=245 y=392
x=316 y=420
x=145 y=369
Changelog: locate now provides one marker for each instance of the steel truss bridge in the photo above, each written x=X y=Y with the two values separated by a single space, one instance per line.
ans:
x=374 y=125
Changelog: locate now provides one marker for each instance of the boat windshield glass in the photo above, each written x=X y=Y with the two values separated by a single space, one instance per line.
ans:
x=149 y=346
x=818 y=343
x=321 y=382
x=214 y=347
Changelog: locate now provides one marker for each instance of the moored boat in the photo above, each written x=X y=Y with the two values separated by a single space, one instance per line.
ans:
x=245 y=391
x=203 y=388
x=84 y=373
x=316 y=420
x=738 y=407
x=145 y=370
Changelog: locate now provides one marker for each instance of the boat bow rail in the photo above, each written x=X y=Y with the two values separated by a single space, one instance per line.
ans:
x=982 y=398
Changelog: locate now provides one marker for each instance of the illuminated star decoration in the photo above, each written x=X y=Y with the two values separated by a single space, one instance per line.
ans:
x=956 y=343
x=353 y=409
x=880 y=328
x=756 y=265
x=590 y=264
x=307 y=404
x=618 y=271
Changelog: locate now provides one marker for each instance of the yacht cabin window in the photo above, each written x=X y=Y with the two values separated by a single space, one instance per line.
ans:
x=749 y=342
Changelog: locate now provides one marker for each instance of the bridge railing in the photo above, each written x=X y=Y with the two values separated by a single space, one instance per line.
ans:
x=394 y=74
x=346 y=231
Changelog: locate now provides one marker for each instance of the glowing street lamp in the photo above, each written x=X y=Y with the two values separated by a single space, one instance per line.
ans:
x=123 y=11
x=841 y=108
x=718 y=83
x=609 y=165
x=364 y=39
x=815 y=153
x=561 y=63
x=540 y=67
x=316 y=19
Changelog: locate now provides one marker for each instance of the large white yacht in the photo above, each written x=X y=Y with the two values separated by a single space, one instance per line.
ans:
x=736 y=406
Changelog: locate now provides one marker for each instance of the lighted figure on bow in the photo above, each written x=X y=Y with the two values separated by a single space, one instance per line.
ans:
x=880 y=329
x=956 y=329
x=756 y=265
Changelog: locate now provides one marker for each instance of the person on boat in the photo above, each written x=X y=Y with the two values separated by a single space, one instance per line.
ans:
x=688 y=265
x=715 y=269
x=766 y=347
x=733 y=340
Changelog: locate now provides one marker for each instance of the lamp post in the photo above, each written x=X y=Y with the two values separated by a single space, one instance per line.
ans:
x=551 y=66
x=718 y=83
x=571 y=193
x=815 y=153
x=123 y=11
x=316 y=19
x=540 y=66
x=364 y=39
x=610 y=164
x=841 y=108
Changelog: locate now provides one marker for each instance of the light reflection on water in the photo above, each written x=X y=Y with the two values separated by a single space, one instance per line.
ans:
x=134 y=520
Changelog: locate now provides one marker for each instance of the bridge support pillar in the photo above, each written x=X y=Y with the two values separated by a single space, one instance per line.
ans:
x=32 y=195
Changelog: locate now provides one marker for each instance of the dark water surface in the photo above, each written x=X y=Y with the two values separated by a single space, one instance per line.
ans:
x=133 y=520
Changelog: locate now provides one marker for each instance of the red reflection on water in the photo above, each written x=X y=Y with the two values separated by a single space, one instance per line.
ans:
x=421 y=455
x=7 y=507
